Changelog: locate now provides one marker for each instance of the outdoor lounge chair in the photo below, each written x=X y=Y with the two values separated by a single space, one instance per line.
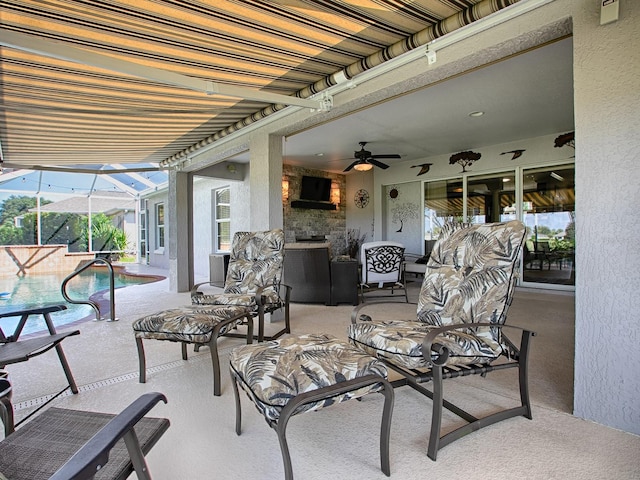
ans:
x=253 y=279
x=467 y=289
x=14 y=349
x=62 y=444
x=382 y=269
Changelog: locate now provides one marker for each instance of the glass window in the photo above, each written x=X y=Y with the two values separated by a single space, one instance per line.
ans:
x=491 y=198
x=222 y=222
x=548 y=211
x=548 y=200
x=160 y=225
x=144 y=251
x=443 y=203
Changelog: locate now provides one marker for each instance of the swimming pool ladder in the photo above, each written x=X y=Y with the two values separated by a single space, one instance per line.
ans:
x=94 y=305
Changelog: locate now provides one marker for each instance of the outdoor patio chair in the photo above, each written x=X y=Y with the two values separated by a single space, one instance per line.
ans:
x=467 y=289
x=63 y=444
x=382 y=269
x=253 y=279
x=14 y=349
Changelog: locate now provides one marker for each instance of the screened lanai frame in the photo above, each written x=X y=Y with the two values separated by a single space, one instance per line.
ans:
x=80 y=191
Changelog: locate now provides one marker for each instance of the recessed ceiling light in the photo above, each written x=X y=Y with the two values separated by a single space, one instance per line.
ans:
x=319 y=154
x=476 y=114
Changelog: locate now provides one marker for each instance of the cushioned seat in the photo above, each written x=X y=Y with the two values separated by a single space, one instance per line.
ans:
x=253 y=279
x=460 y=326
x=299 y=374
x=197 y=324
x=401 y=342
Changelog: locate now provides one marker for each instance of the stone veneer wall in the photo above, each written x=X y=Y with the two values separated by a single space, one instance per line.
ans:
x=303 y=222
x=25 y=259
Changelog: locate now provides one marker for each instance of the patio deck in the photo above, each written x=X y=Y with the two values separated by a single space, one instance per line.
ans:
x=342 y=441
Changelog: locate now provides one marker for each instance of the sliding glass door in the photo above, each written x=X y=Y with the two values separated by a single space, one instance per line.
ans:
x=548 y=211
x=543 y=198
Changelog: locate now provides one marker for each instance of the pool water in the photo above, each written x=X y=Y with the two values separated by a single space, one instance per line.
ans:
x=45 y=288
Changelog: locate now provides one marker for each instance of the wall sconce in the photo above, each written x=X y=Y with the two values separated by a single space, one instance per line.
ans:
x=335 y=193
x=285 y=188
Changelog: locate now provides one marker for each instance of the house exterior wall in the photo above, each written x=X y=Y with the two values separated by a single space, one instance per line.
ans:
x=606 y=73
x=607 y=106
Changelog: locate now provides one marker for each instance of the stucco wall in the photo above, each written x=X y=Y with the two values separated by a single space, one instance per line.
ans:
x=607 y=114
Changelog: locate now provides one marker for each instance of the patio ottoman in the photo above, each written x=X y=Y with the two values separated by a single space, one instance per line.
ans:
x=298 y=374
x=192 y=324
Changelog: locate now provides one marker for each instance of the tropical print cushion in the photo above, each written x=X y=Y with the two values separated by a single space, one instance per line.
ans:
x=256 y=261
x=245 y=300
x=272 y=373
x=470 y=278
x=400 y=342
x=191 y=323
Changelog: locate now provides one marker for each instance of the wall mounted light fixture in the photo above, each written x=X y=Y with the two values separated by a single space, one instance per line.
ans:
x=285 y=188
x=335 y=193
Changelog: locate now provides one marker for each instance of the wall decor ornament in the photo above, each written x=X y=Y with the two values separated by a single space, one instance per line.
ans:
x=514 y=153
x=405 y=211
x=565 y=139
x=393 y=193
x=465 y=159
x=361 y=198
x=424 y=168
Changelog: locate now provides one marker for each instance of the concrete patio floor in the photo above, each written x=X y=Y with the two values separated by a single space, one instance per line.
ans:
x=342 y=441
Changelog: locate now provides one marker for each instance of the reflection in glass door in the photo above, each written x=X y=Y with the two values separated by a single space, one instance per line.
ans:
x=549 y=214
x=491 y=198
x=547 y=209
x=443 y=203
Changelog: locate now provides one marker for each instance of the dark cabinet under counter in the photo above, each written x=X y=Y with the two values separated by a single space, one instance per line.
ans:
x=344 y=282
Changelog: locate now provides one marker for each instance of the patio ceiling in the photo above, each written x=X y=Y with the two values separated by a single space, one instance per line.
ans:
x=55 y=111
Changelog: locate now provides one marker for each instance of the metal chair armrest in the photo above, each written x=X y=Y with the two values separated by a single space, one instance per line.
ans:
x=429 y=345
x=95 y=453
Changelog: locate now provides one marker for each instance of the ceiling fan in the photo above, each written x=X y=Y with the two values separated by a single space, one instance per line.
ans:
x=365 y=161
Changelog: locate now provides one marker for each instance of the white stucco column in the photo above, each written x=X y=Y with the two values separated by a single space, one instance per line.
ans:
x=606 y=84
x=265 y=177
x=180 y=227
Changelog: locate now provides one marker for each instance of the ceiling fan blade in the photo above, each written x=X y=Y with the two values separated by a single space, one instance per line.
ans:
x=390 y=155
x=373 y=161
x=351 y=166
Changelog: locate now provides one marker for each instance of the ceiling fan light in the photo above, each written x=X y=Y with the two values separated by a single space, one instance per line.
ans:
x=362 y=167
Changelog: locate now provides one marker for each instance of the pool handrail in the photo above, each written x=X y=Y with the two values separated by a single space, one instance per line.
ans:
x=94 y=305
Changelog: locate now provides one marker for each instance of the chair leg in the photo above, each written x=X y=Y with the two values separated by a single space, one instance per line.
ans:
x=213 y=350
x=67 y=369
x=236 y=394
x=141 y=361
x=249 y=329
x=385 y=429
x=436 y=415
x=183 y=346
x=261 y=324
x=280 y=429
x=523 y=373
x=6 y=414
x=135 y=454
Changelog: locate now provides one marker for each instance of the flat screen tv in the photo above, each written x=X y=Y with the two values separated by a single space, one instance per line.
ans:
x=315 y=189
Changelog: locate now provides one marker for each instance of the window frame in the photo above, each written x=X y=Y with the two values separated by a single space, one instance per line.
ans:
x=218 y=221
x=160 y=239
